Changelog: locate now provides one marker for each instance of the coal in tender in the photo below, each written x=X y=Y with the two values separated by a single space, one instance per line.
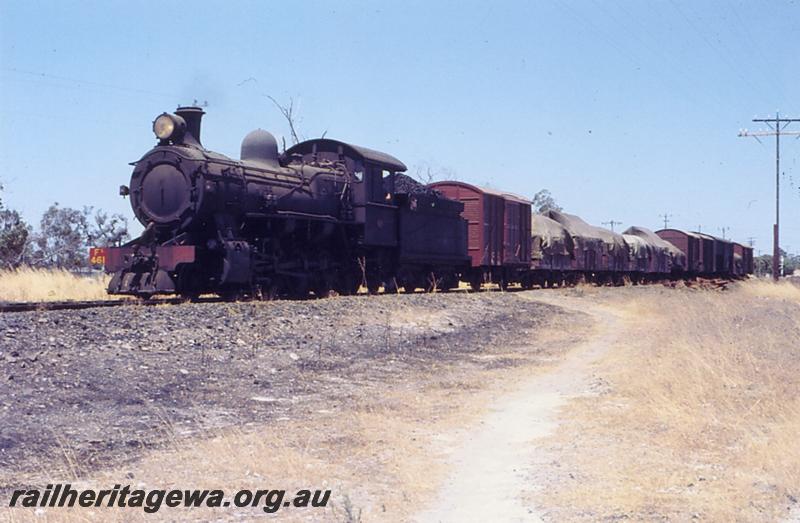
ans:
x=404 y=183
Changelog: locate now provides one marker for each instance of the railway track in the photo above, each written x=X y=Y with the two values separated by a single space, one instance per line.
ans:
x=701 y=283
x=78 y=305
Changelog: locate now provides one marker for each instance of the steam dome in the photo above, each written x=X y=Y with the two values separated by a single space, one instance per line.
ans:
x=260 y=146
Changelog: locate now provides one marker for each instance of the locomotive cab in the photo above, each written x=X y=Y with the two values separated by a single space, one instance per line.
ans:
x=373 y=201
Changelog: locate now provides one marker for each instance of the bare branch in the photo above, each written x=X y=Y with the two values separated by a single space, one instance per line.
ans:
x=288 y=113
x=428 y=173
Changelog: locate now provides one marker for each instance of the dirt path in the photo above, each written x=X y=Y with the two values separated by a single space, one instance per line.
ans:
x=492 y=463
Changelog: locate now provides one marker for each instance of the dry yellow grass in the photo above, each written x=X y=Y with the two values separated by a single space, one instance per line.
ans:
x=701 y=415
x=763 y=288
x=27 y=284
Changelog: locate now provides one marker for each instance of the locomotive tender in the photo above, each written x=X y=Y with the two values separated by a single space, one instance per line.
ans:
x=327 y=215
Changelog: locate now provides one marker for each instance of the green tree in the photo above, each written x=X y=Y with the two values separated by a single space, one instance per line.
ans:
x=61 y=239
x=791 y=263
x=14 y=236
x=763 y=264
x=65 y=235
x=543 y=201
x=106 y=230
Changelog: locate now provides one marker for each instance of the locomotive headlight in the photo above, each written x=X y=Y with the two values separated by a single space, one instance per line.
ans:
x=163 y=126
x=169 y=127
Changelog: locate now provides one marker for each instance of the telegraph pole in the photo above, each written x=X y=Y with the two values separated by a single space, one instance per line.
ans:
x=666 y=219
x=612 y=223
x=724 y=230
x=777 y=126
x=751 y=241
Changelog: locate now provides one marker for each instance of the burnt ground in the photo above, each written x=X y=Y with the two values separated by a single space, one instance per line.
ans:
x=90 y=389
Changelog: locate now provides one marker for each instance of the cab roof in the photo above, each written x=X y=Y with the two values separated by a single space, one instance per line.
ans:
x=386 y=161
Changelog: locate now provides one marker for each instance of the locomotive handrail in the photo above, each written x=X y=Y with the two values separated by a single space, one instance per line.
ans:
x=297 y=214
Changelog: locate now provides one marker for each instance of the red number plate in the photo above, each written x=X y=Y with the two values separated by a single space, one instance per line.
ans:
x=97 y=256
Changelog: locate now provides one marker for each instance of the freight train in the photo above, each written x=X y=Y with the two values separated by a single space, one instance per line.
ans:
x=325 y=215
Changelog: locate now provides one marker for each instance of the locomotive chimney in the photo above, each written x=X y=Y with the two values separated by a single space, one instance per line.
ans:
x=192 y=116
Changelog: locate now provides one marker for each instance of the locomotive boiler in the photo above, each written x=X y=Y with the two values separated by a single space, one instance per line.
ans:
x=322 y=215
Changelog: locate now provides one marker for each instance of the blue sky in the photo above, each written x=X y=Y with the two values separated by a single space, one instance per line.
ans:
x=624 y=110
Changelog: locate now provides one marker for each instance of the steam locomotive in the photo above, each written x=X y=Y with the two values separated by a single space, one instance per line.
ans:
x=324 y=215
x=327 y=215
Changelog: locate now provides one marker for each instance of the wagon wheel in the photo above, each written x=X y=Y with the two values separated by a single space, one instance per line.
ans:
x=446 y=283
x=407 y=279
x=231 y=294
x=270 y=291
x=299 y=288
x=322 y=287
x=432 y=283
x=373 y=284
x=391 y=286
x=412 y=282
x=323 y=281
x=409 y=286
x=475 y=283
x=527 y=283
x=188 y=282
x=347 y=284
x=190 y=296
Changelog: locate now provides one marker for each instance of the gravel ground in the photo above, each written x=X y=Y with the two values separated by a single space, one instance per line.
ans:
x=81 y=390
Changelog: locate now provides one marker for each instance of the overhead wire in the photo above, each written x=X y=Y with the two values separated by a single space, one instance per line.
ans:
x=724 y=56
x=723 y=53
x=763 y=58
x=47 y=76
x=664 y=58
x=588 y=23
